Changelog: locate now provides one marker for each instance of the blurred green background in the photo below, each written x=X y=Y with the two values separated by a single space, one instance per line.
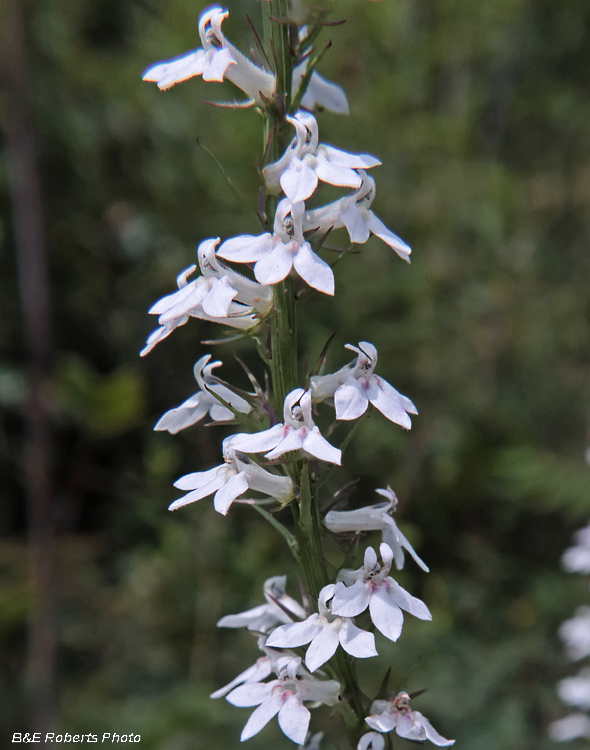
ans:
x=480 y=112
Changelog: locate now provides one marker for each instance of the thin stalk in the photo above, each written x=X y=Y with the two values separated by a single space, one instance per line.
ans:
x=277 y=45
x=283 y=343
x=309 y=537
x=283 y=360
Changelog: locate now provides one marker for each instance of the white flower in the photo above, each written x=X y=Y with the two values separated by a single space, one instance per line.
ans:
x=397 y=714
x=275 y=255
x=220 y=295
x=576 y=634
x=266 y=616
x=305 y=162
x=375 y=518
x=324 y=631
x=371 y=587
x=230 y=480
x=218 y=59
x=284 y=697
x=356 y=384
x=354 y=212
x=570 y=728
x=575 y=691
x=195 y=408
x=297 y=433
x=577 y=559
x=272 y=661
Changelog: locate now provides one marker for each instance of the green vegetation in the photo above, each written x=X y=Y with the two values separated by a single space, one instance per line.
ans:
x=480 y=112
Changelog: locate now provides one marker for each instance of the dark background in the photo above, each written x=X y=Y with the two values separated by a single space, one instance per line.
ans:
x=480 y=112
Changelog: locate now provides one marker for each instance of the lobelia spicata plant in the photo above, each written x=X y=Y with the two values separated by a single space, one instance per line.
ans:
x=281 y=459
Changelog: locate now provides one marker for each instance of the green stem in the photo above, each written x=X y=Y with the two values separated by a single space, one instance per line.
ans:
x=309 y=537
x=283 y=362
x=278 y=48
x=283 y=343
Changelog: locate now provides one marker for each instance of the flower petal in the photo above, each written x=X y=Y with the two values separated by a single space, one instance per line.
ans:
x=335 y=174
x=386 y=615
x=323 y=646
x=350 y=601
x=168 y=73
x=351 y=400
x=409 y=726
x=401 y=598
x=353 y=220
x=292 y=441
x=370 y=560
x=312 y=269
x=198 y=494
x=261 y=716
x=299 y=180
x=258 y=442
x=294 y=720
x=384 y=722
x=184 y=415
x=219 y=413
x=388 y=401
x=275 y=266
x=219 y=62
x=380 y=230
x=225 y=496
x=318 y=446
x=182 y=302
x=253 y=619
x=200 y=478
x=252 y=694
x=246 y=248
x=431 y=733
x=297 y=634
x=356 y=642
x=217 y=302
x=346 y=159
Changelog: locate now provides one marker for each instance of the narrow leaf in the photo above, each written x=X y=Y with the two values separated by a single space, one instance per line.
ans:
x=228 y=180
x=302 y=88
x=283 y=531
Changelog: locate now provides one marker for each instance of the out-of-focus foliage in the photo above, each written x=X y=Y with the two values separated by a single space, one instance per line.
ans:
x=480 y=112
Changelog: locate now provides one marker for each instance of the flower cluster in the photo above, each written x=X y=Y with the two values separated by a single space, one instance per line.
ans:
x=279 y=460
x=575 y=633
